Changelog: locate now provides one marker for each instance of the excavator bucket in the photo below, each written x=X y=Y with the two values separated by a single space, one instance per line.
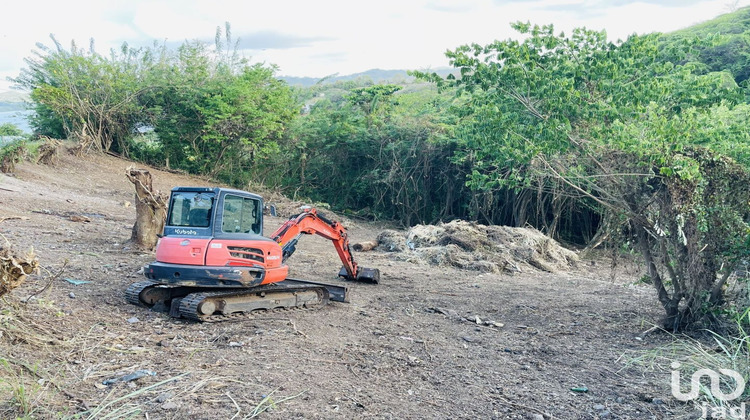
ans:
x=369 y=275
x=365 y=275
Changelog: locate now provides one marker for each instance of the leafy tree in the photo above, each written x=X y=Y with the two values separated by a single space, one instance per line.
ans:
x=202 y=109
x=614 y=126
x=87 y=95
x=212 y=113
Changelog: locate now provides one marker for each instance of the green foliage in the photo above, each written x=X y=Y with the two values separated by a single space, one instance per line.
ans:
x=645 y=138
x=210 y=111
x=81 y=93
x=11 y=154
x=9 y=129
x=212 y=114
x=372 y=150
x=721 y=44
x=20 y=392
x=615 y=126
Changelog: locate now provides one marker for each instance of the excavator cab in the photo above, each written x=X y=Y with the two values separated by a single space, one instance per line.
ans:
x=238 y=212
x=213 y=237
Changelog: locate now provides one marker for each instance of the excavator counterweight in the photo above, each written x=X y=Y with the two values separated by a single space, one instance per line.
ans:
x=213 y=262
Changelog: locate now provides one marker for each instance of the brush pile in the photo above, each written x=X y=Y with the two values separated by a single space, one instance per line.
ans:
x=472 y=246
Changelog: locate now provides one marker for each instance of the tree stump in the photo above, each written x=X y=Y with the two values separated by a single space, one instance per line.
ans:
x=48 y=152
x=150 y=209
x=14 y=269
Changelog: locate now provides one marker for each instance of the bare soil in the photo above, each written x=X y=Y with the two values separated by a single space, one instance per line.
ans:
x=404 y=349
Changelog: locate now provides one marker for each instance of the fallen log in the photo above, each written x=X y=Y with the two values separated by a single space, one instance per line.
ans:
x=365 y=246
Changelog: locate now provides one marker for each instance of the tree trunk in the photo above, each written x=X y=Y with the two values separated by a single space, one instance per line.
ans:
x=670 y=305
x=150 y=208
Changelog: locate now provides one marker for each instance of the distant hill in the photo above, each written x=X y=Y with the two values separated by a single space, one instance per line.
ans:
x=376 y=75
x=13 y=96
x=731 y=52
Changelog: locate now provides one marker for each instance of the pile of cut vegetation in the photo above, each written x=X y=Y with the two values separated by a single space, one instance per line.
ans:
x=473 y=246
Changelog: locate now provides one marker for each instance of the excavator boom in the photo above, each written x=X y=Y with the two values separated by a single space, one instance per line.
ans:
x=311 y=222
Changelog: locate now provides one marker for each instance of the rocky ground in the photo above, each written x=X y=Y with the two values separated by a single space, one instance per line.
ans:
x=428 y=342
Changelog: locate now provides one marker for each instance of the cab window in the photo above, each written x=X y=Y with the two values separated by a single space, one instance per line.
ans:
x=191 y=209
x=241 y=215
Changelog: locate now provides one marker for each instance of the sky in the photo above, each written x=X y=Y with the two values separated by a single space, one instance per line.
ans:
x=317 y=38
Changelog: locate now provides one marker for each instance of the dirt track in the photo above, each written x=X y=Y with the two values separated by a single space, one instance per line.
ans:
x=402 y=349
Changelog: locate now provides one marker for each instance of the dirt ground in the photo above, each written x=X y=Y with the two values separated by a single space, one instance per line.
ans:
x=403 y=349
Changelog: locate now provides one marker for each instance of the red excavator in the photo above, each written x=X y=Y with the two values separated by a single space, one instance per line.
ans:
x=213 y=262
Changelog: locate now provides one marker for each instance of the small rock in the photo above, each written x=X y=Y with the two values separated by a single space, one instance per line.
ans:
x=164 y=343
x=536 y=416
x=599 y=407
x=72 y=295
x=619 y=400
x=605 y=414
x=164 y=397
x=477 y=319
x=235 y=344
x=169 y=405
x=378 y=333
x=657 y=401
x=133 y=320
x=467 y=339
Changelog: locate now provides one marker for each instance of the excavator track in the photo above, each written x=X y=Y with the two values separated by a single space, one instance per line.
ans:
x=225 y=306
x=212 y=305
x=133 y=292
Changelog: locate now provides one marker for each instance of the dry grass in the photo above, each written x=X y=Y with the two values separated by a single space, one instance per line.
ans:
x=715 y=352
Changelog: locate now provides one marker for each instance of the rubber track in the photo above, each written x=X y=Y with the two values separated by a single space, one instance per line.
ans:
x=133 y=292
x=189 y=307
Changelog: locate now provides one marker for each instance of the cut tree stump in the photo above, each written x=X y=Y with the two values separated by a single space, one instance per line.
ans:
x=49 y=151
x=14 y=269
x=150 y=209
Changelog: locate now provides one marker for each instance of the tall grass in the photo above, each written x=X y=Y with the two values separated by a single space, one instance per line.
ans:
x=713 y=352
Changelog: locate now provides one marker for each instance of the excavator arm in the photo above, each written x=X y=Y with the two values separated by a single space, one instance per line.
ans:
x=310 y=222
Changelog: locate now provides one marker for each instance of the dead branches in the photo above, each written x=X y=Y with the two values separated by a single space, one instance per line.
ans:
x=14 y=269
